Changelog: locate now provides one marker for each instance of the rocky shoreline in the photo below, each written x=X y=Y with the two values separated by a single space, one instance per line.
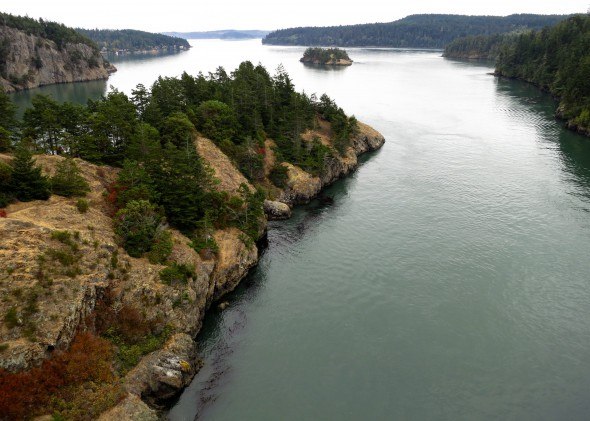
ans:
x=108 y=273
x=331 y=62
x=159 y=377
x=560 y=112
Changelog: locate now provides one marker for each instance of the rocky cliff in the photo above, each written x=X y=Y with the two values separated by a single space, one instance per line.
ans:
x=29 y=61
x=64 y=299
x=302 y=186
x=51 y=300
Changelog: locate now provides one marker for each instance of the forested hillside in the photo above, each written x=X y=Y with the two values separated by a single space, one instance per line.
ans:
x=416 y=31
x=556 y=59
x=156 y=127
x=56 y=32
x=479 y=47
x=132 y=40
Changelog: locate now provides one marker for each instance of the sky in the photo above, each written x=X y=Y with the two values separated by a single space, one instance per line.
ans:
x=199 y=15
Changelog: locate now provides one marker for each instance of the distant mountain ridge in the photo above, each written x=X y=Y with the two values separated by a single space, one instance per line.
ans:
x=414 y=31
x=220 y=34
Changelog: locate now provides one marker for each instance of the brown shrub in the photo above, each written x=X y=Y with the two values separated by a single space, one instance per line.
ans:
x=59 y=380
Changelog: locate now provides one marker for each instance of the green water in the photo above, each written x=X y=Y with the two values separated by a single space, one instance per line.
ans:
x=449 y=280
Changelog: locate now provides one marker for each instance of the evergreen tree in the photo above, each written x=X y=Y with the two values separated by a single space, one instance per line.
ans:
x=7 y=121
x=180 y=180
x=68 y=181
x=27 y=183
x=6 y=195
x=137 y=225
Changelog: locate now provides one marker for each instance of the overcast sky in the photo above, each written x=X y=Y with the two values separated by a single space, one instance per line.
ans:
x=199 y=15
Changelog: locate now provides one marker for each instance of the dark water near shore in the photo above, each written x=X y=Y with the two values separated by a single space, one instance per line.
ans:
x=450 y=279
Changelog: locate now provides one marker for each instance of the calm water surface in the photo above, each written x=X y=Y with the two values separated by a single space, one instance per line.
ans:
x=449 y=280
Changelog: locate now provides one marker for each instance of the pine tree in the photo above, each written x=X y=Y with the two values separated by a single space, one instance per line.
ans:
x=7 y=121
x=68 y=181
x=27 y=183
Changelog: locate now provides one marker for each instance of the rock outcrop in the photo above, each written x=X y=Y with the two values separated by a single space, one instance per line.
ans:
x=331 y=62
x=32 y=61
x=64 y=300
x=276 y=210
x=302 y=186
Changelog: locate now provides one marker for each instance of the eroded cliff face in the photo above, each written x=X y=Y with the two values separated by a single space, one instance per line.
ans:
x=32 y=61
x=51 y=302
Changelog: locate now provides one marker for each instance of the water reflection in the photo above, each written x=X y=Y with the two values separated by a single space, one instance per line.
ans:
x=324 y=67
x=141 y=57
x=78 y=92
x=573 y=149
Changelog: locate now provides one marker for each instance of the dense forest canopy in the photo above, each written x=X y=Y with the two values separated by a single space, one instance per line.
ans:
x=151 y=136
x=416 y=31
x=485 y=47
x=132 y=40
x=56 y=32
x=556 y=59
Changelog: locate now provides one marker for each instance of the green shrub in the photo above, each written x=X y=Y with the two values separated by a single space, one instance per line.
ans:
x=65 y=257
x=161 y=247
x=26 y=182
x=279 y=175
x=82 y=205
x=11 y=318
x=137 y=225
x=177 y=273
x=68 y=181
x=202 y=243
x=129 y=352
x=5 y=143
x=62 y=236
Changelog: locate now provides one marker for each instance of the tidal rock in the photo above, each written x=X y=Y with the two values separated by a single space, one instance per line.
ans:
x=276 y=210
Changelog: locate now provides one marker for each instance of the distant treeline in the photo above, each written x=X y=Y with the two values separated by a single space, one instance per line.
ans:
x=221 y=34
x=556 y=59
x=56 y=32
x=132 y=40
x=416 y=31
x=480 y=47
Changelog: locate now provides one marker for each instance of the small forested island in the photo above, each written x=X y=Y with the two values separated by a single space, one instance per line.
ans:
x=326 y=57
x=133 y=41
x=124 y=220
x=37 y=52
x=415 y=31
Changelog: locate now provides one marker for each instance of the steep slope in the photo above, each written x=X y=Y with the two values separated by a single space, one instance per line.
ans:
x=63 y=271
x=28 y=58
